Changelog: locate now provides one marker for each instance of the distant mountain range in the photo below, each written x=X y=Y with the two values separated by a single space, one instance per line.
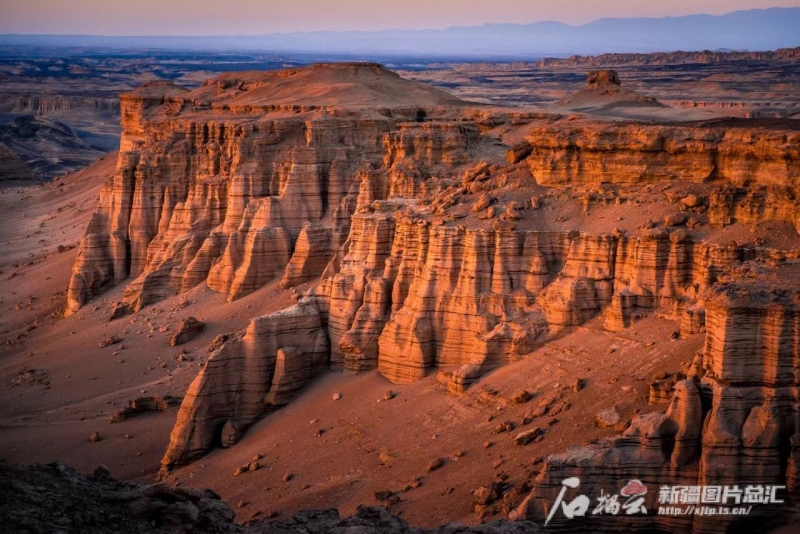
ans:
x=755 y=29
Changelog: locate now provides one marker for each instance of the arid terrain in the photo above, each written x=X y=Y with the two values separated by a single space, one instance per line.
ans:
x=441 y=290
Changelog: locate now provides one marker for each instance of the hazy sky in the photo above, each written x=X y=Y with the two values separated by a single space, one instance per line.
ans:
x=231 y=17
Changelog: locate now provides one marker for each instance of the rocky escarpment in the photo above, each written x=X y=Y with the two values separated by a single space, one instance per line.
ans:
x=754 y=164
x=430 y=250
x=739 y=152
x=47 y=147
x=44 y=105
x=668 y=58
x=409 y=297
x=732 y=422
x=212 y=189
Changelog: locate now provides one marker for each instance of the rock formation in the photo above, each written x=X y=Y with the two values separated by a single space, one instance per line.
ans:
x=604 y=89
x=189 y=329
x=664 y=58
x=428 y=246
x=215 y=185
x=732 y=422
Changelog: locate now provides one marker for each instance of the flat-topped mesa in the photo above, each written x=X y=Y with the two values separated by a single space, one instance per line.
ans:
x=335 y=85
x=216 y=184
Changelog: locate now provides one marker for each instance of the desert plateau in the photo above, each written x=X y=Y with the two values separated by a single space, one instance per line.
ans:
x=264 y=289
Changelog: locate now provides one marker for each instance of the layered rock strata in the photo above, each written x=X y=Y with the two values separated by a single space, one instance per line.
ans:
x=206 y=190
x=735 y=151
x=277 y=355
x=409 y=297
x=362 y=183
x=732 y=423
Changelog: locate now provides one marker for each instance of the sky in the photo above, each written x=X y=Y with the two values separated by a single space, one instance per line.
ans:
x=251 y=17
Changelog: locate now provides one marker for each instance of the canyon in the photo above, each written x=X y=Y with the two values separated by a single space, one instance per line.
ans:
x=486 y=262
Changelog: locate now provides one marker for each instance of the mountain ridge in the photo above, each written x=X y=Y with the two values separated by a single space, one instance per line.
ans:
x=768 y=28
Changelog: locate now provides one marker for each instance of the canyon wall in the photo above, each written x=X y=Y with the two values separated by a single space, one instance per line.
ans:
x=407 y=298
x=734 y=421
x=44 y=105
x=737 y=152
x=427 y=257
x=224 y=198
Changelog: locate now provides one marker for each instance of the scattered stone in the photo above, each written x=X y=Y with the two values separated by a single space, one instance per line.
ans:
x=188 y=329
x=411 y=485
x=486 y=495
x=507 y=426
x=675 y=219
x=523 y=438
x=562 y=406
x=519 y=152
x=95 y=437
x=521 y=397
x=113 y=340
x=537 y=411
x=435 y=464
x=607 y=418
x=142 y=405
x=578 y=384
x=218 y=341
x=287 y=477
x=337 y=396
x=692 y=201
x=383 y=495
x=31 y=377
x=482 y=203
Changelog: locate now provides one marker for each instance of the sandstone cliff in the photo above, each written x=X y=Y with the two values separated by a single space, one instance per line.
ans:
x=732 y=422
x=432 y=251
x=217 y=184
